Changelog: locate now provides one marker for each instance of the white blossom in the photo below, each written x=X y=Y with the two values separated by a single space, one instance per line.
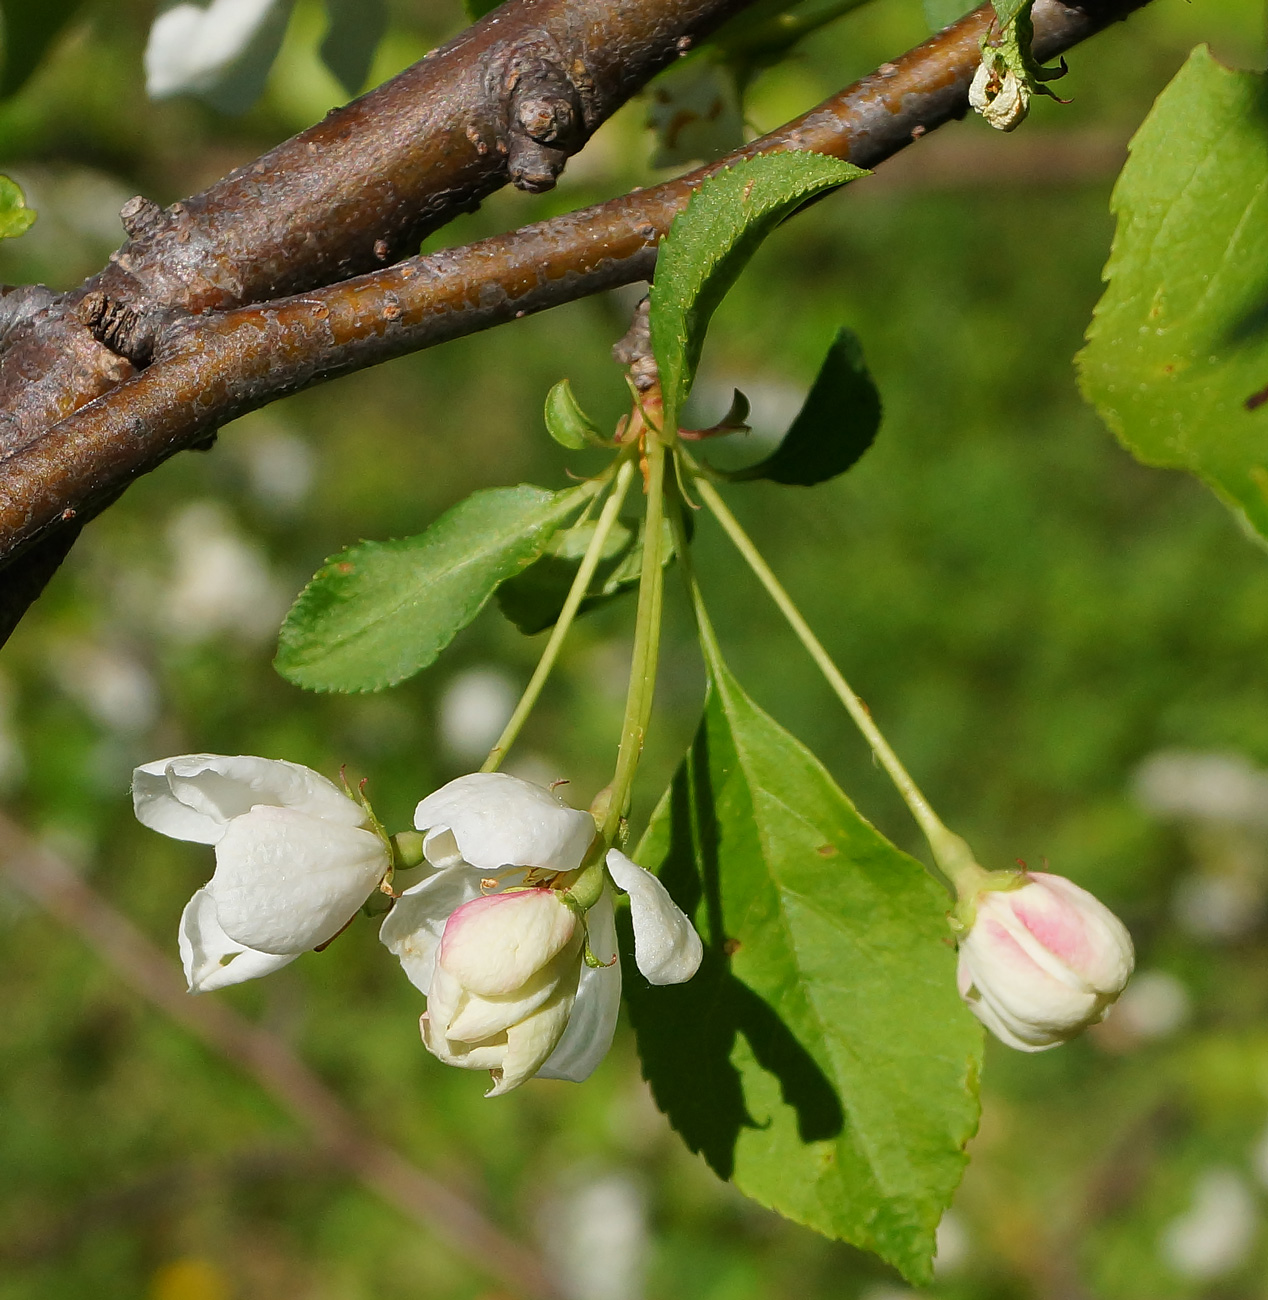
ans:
x=295 y=859
x=499 y=952
x=1042 y=962
x=999 y=95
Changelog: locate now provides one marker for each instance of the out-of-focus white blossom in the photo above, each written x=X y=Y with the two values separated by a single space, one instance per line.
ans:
x=1215 y=1236
x=474 y=707
x=1218 y=905
x=221 y=50
x=596 y=1238
x=498 y=951
x=114 y=687
x=295 y=859
x=952 y=1245
x=280 y=465
x=1154 y=1006
x=1042 y=962
x=221 y=584
x=1203 y=787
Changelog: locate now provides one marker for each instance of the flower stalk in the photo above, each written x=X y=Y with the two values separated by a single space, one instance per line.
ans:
x=952 y=855
x=651 y=588
x=576 y=594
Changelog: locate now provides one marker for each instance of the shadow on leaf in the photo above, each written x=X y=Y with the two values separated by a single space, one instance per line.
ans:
x=688 y=1033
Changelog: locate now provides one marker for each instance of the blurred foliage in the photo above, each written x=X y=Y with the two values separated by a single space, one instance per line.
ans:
x=1029 y=612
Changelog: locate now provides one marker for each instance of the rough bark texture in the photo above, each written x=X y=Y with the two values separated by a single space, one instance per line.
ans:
x=199 y=371
x=509 y=99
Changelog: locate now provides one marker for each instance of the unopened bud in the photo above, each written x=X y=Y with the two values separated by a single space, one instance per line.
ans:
x=1043 y=961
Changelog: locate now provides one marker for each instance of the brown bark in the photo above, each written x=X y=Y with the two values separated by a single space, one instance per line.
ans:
x=209 y=369
x=510 y=98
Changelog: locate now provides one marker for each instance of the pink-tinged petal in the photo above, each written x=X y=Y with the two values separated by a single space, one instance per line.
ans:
x=413 y=927
x=286 y=882
x=1103 y=954
x=598 y=1003
x=195 y=796
x=667 y=949
x=494 y=944
x=211 y=959
x=497 y=820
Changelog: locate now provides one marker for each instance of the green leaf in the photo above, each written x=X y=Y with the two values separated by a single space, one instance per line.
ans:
x=942 y=13
x=835 y=426
x=1177 y=354
x=30 y=28
x=567 y=423
x=476 y=9
x=15 y=217
x=532 y=600
x=1006 y=11
x=709 y=244
x=355 y=30
x=820 y=1059
x=381 y=611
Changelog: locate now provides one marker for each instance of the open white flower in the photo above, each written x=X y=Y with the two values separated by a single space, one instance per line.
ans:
x=501 y=964
x=295 y=859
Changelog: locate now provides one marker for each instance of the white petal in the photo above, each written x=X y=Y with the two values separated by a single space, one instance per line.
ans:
x=1027 y=986
x=466 y=1056
x=478 y=1018
x=530 y=1042
x=1004 y=1029
x=211 y=959
x=494 y=944
x=500 y=821
x=667 y=949
x=286 y=882
x=194 y=796
x=413 y=927
x=593 y=1021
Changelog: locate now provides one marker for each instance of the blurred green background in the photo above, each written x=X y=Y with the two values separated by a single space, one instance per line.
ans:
x=1067 y=648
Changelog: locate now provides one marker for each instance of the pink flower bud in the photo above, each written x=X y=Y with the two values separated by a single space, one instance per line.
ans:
x=492 y=945
x=1042 y=962
x=505 y=980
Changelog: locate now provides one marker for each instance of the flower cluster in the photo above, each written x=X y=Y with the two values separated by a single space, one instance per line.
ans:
x=519 y=970
x=509 y=985
x=521 y=977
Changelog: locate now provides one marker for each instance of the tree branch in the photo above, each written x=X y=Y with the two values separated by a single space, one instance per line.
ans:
x=509 y=98
x=49 y=882
x=208 y=370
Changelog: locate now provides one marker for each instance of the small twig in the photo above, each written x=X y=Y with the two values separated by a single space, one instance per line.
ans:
x=51 y=883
